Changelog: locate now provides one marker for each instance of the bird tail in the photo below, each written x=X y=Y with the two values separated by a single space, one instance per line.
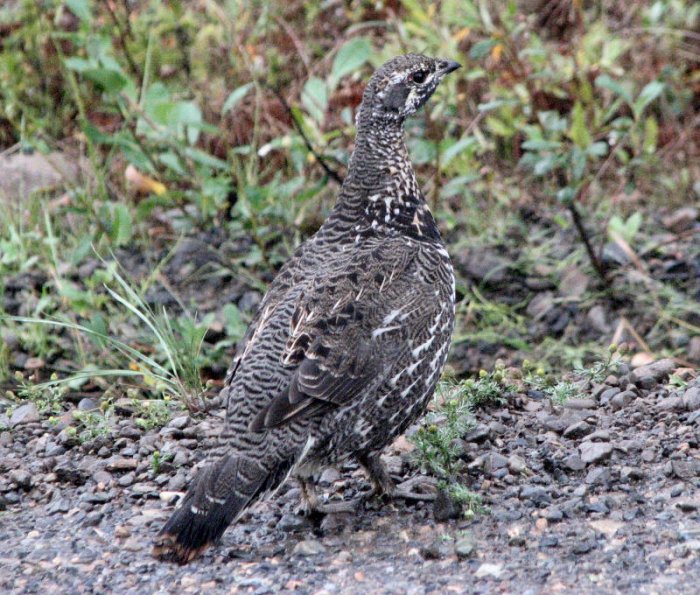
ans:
x=218 y=496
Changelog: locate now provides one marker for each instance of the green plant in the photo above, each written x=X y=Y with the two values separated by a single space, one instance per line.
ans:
x=152 y=413
x=179 y=345
x=49 y=398
x=94 y=424
x=157 y=460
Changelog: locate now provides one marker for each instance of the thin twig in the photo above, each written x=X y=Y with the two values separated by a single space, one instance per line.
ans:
x=322 y=162
x=123 y=35
x=583 y=234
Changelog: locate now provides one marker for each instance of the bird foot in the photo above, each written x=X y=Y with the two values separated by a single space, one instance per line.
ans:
x=426 y=489
x=311 y=504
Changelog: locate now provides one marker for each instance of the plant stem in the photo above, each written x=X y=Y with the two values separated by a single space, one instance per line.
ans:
x=583 y=234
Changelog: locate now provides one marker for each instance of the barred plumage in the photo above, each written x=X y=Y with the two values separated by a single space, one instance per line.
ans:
x=349 y=342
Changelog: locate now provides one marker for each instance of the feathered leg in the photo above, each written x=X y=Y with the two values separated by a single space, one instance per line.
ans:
x=384 y=485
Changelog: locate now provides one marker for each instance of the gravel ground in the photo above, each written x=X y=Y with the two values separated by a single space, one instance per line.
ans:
x=597 y=495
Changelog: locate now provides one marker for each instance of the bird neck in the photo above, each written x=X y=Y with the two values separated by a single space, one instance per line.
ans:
x=380 y=193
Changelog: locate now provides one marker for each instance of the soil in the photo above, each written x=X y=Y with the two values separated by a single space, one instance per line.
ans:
x=597 y=495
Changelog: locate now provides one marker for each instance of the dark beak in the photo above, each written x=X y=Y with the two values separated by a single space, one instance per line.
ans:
x=447 y=66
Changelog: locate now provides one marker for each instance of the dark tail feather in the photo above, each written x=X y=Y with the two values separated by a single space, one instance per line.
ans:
x=218 y=495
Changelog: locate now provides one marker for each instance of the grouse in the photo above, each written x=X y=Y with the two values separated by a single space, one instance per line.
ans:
x=350 y=339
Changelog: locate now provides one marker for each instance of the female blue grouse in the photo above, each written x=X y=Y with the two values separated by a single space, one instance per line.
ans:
x=349 y=342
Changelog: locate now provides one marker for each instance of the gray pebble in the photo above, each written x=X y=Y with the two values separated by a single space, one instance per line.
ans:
x=309 y=547
x=24 y=414
x=593 y=452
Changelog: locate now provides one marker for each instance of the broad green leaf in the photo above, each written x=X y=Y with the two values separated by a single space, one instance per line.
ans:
x=108 y=80
x=80 y=8
x=598 y=149
x=349 y=58
x=78 y=64
x=422 y=150
x=481 y=48
x=626 y=229
x=605 y=81
x=541 y=145
x=566 y=195
x=235 y=96
x=314 y=97
x=648 y=94
x=578 y=132
x=457 y=148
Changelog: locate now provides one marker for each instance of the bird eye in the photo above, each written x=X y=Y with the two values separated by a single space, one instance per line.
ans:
x=419 y=77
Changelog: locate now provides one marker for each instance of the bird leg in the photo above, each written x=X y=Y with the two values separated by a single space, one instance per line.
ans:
x=310 y=502
x=384 y=485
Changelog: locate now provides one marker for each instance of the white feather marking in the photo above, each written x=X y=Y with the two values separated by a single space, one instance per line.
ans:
x=422 y=347
x=385 y=329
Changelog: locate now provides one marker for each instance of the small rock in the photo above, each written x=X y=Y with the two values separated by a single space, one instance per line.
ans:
x=22 y=478
x=681 y=220
x=516 y=464
x=683 y=469
x=593 y=452
x=465 y=547
x=309 y=547
x=607 y=395
x=574 y=283
x=599 y=436
x=691 y=398
x=329 y=476
x=536 y=494
x=179 y=423
x=670 y=404
x=580 y=404
x=433 y=551
x=651 y=374
x=24 y=414
x=694 y=349
x=583 y=547
x=87 y=404
x=578 y=429
x=494 y=461
x=621 y=400
x=549 y=541
x=290 y=523
x=445 y=507
x=478 y=434
x=122 y=464
x=552 y=514
x=596 y=317
x=631 y=473
x=486 y=569
x=574 y=462
x=598 y=476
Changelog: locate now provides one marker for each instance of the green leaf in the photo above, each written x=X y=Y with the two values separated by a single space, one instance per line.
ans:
x=349 y=58
x=314 y=97
x=121 y=228
x=605 y=81
x=235 y=96
x=481 y=48
x=648 y=94
x=461 y=145
x=651 y=135
x=77 y=64
x=579 y=131
x=108 y=80
x=80 y=8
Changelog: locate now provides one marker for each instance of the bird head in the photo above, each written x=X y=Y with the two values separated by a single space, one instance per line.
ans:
x=401 y=86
